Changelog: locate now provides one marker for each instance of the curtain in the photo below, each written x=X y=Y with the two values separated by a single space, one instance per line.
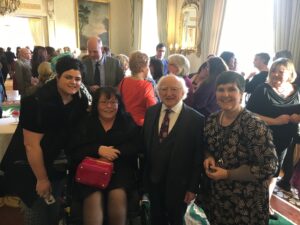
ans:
x=37 y=31
x=162 y=17
x=136 y=23
x=287 y=28
x=213 y=17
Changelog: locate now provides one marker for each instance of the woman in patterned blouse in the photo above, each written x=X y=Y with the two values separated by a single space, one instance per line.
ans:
x=240 y=158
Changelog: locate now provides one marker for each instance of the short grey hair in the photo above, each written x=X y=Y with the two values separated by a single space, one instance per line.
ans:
x=181 y=62
x=179 y=79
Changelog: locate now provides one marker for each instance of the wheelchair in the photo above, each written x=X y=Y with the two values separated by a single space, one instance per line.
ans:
x=138 y=209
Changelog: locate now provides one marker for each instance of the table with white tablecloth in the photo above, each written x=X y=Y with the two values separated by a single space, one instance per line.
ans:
x=7 y=129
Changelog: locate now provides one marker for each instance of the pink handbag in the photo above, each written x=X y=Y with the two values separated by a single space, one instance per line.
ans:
x=94 y=172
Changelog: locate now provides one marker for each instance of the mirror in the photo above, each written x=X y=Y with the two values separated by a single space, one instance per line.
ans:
x=190 y=26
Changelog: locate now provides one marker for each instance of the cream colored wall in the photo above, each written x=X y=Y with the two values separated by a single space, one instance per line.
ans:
x=62 y=28
x=120 y=26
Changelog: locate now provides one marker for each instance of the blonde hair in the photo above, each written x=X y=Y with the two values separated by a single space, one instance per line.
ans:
x=286 y=63
x=181 y=62
x=124 y=60
x=44 y=71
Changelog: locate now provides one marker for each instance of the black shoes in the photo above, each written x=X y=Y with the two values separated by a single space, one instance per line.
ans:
x=284 y=185
x=273 y=216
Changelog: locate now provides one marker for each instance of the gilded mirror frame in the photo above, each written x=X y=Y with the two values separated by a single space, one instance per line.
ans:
x=190 y=33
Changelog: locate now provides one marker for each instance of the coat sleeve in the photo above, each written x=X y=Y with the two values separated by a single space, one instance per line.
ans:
x=198 y=157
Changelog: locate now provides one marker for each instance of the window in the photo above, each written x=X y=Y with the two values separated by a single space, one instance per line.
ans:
x=149 y=27
x=247 y=30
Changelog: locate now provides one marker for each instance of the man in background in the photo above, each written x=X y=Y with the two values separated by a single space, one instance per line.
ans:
x=11 y=61
x=23 y=73
x=101 y=70
x=254 y=79
x=160 y=54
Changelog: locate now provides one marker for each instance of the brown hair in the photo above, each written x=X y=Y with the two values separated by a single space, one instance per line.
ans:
x=137 y=61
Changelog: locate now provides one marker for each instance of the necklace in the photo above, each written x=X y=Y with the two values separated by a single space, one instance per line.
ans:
x=231 y=119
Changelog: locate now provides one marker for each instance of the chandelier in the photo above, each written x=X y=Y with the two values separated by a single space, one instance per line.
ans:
x=9 y=6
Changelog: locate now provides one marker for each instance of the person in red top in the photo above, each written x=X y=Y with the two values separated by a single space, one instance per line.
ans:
x=137 y=92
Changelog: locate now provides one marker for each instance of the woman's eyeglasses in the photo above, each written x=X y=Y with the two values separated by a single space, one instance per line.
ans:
x=108 y=102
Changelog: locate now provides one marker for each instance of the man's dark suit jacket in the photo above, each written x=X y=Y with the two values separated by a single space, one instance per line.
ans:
x=186 y=158
x=113 y=72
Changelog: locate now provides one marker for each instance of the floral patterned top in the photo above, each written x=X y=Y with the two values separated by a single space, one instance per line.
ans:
x=247 y=141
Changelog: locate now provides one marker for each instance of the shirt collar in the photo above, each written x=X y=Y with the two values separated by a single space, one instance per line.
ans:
x=177 y=108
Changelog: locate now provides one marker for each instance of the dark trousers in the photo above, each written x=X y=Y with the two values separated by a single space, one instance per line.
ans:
x=287 y=166
x=162 y=212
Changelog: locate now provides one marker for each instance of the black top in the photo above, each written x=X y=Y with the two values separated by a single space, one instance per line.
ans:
x=124 y=136
x=258 y=79
x=266 y=102
x=45 y=113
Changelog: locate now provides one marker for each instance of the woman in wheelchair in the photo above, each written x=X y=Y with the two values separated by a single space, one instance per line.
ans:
x=109 y=133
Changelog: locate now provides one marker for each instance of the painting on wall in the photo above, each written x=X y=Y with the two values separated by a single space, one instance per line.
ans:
x=92 y=20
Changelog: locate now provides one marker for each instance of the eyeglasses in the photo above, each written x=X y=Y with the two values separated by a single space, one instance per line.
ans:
x=106 y=103
x=171 y=89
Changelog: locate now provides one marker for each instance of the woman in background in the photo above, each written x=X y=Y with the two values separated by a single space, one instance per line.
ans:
x=200 y=76
x=204 y=99
x=179 y=65
x=124 y=61
x=109 y=133
x=136 y=91
x=277 y=102
x=39 y=55
x=230 y=60
x=240 y=158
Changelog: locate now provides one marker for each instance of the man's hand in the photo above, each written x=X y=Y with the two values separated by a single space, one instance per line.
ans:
x=189 y=196
x=94 y=88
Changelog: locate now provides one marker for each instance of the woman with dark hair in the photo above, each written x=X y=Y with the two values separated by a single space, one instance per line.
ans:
x=108 y=133
x=198 y=78
x=229 y=59
x=240 y=158
x=47 y=118
x=156 y=68
x=39 y=55
x=204 y=99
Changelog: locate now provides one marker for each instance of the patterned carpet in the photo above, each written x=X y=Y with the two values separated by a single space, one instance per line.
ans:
x=291 y=197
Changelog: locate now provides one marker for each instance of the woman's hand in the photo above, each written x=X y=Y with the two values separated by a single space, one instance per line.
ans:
x=108 y=152
x=43 y=188
x=217 y=173
x=208 y=162
x=282 y=119
x=295 y=118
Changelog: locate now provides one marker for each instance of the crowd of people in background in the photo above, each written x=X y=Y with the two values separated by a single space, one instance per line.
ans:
x=217 y=137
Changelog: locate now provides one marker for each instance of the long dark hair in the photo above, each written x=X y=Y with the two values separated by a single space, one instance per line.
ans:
x=216 y=66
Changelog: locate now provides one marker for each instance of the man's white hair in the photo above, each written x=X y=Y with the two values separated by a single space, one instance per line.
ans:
x=180 y=80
